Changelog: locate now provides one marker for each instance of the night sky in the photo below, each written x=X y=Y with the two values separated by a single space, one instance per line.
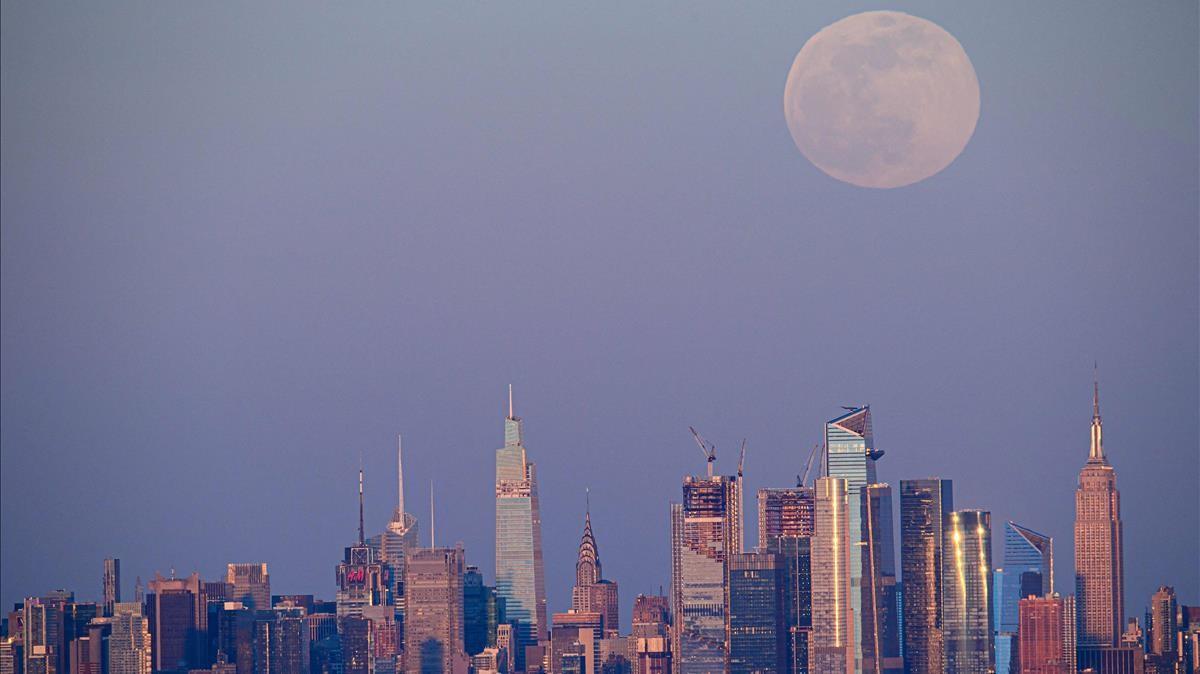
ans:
x=244 y=244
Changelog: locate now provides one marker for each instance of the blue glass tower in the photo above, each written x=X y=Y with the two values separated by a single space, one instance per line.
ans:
x=520 y=581
x=1028 y=570
x=850 y=454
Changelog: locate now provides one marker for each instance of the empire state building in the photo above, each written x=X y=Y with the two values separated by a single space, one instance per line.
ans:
x=1099 y=566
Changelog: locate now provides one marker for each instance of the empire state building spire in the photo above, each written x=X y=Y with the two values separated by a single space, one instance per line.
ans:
x=1096 y=453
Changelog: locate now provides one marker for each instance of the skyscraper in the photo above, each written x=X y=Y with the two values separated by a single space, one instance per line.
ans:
x=967 y=617
x=250 y=584
x=795 y=557
x=1028 y=570
x=178 y=619
x=1162 y=645
x=1046 y=635
x=756 y=626
x=112 y=585
x=925 y=507
x=520 y=580
x=833 y=617
x=784 y=512
x=363 y=580
x=401 y=535
x=879 y=625
x=129 y=642
x=1099 y=565
x=433 y=631
x=705 y=530
x=592 y=592
x=850 y=454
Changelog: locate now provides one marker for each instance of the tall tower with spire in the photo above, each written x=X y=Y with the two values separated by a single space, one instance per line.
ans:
x=394 y=544
x=519 y=573
x=1099 y=563
x=592 y=593
x=363 y=579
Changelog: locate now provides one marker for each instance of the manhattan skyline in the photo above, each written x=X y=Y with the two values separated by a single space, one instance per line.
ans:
x=241 y=249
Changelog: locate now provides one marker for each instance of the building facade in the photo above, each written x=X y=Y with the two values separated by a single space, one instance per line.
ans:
x=520 y=578
x=112 y=585
x=925 y=507
x=784 y=512
x=705 y=531
x=433 y=631
x=1099 y=558
x=833 y=618
x=1046 y=635
x=968 y=621
x=250 y=584
x=756 y=627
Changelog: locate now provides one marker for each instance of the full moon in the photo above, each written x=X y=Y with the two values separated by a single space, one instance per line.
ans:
x=881 y=99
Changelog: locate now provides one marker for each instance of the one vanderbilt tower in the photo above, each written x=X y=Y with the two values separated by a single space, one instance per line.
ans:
x=519 y=578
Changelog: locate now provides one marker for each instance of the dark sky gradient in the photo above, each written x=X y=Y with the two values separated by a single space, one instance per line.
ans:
x=242 y=245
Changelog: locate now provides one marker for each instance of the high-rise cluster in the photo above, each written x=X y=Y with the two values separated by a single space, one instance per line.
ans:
x=818 y=594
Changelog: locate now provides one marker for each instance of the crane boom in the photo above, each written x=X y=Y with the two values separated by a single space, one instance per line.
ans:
x=742 y=458
x=808 y=465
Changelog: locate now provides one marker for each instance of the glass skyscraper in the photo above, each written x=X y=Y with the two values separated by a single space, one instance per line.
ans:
x=925 y=507
x=833 y=625
x=967 y=617
x=520 y=580
x=795 y=555
x=1028 y=570
x=757 y=632
x=850 y=454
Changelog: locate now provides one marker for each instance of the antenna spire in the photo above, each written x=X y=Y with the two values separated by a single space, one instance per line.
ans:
x=400 y=474
x=361 y=536
x=432 y=529
x=1096 y=451
x=510 y=403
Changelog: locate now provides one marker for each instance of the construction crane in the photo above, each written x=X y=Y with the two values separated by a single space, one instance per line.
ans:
x=808 y=466
x=742 y=458
x=707 y=448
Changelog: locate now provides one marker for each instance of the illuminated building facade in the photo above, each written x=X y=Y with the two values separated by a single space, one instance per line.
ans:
x=967 y=611
x=129 y=641
x=1028 y=571
x=705 y=530
x=520 y=578
x=1046 y=635
x=833 y=618
x=250 y=584
x=879 y=625
x=850 y=454
x=362 y=579
x=925 y=507
x=1099 y=560
x=784 y=512
x=433 y=631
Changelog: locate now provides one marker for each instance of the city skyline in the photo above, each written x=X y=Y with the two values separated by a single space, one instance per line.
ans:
x=242 y=250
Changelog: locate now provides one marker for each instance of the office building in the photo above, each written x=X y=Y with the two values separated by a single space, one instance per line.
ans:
x=705 y=530
x=401 y=535
x=795 y=555
x=129 y=641
x=433 y=629
x=576 y=631
x=756 y=627
x=363 y=579
x=281 y=642
x=833 y=620
x=1099 y=561
x=178 y=616
x=967 y=611
x=1046 y=635
x=520 y=578
x=784 y=512
x=475 y=611
x=925 y=507
x=592 y=593
x=879 y=625
x=851 y=455
x=250 y=584
x=1028 y=571
x=112 y=585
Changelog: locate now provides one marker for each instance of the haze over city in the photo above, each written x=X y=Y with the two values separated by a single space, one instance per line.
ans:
x=245 y=247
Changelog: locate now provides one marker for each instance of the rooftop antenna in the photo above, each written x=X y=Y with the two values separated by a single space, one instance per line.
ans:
x=432 y=540
x=510 y=403
x=361 y=536
x=400 y=474
x=708 y=449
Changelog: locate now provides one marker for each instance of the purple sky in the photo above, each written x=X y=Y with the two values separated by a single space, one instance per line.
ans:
x=242 y=245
